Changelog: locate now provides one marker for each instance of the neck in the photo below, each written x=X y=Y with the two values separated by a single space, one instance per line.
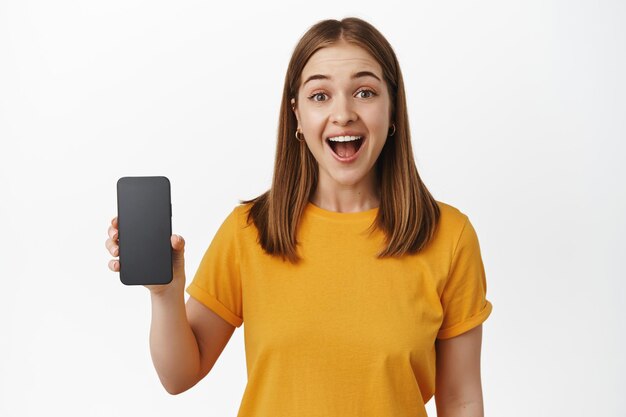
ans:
x=333 y=196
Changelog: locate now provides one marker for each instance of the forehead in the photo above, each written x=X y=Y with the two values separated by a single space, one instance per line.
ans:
x=341 y=59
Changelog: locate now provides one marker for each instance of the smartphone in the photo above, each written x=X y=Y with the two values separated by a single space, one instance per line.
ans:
x=144 y=216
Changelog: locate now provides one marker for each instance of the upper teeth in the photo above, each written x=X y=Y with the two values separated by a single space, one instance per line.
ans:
x=344 y=138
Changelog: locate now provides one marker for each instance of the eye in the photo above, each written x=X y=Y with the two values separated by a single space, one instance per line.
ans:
x=312 y=97
x=367 y=91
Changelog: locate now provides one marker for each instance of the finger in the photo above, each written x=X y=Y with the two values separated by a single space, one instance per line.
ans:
x=114 y=265
x=114 y=222
x=112 y=247
x=178 y=242
x=113 y=233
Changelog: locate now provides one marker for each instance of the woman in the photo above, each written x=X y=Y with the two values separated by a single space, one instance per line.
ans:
x=356 y=286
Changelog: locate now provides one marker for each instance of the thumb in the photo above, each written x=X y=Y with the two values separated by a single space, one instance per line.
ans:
x=178 y=243
x=178 y=255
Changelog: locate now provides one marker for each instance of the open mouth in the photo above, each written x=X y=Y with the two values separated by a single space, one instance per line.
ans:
x=345 y=149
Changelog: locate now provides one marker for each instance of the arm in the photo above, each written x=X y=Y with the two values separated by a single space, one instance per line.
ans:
x=173 y=345
x=185 y=340
x=458 y=391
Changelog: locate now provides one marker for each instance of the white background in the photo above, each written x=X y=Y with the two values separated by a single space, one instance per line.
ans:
x=517 y=113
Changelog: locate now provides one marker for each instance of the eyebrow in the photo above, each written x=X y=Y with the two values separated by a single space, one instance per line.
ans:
x=359 y=74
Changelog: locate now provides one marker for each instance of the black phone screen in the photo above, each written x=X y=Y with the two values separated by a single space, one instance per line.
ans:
x=144 y=214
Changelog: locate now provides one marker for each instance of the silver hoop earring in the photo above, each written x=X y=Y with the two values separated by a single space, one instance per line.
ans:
x=394 y=129
x=298 y=138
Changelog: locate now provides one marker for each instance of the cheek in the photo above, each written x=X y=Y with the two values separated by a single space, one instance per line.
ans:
x=313 y=124
x=376 y=117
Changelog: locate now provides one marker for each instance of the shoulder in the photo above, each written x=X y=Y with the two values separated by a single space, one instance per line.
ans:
x=452 y=220
x=242 y=217
x=457 y=230
x=241 y=211
x=234 y=220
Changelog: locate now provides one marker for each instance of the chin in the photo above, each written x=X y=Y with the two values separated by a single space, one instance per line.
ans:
x=348 y=179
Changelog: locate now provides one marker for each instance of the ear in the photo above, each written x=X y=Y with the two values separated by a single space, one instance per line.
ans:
x=294 y=109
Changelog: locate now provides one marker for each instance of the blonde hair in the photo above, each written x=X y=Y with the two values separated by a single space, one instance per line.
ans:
x=408 y=214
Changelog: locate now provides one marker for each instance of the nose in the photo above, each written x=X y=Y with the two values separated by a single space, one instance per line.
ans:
x=342 y=110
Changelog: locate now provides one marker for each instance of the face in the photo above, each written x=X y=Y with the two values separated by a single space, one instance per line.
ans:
x=343 y=93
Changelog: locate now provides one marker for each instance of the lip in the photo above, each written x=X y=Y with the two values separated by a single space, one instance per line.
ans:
x=351 y=158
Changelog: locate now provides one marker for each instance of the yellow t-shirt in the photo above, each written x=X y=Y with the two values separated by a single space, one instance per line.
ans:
x=342 y=334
